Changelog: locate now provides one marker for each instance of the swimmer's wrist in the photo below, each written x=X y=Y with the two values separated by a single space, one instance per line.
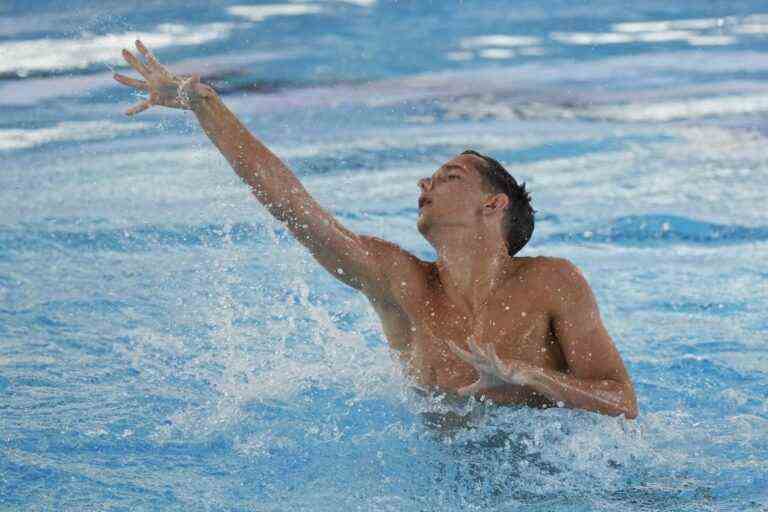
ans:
x=193 y=94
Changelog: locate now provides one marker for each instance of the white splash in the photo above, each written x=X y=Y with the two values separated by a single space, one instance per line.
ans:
x=498 y=40
x=361 y=3
x=663 y=36
x=23 y=57
x=752 y=28
x=663 y=26
x=459 y=56
x=685 y=108
x=711 y=40
x=496 y=53
x=599 y=38
x=591 y=38
x=68 y=131
x=696 y=32
x=258 y=13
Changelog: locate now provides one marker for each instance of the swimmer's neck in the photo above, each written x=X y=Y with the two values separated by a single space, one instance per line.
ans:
x=471 y=265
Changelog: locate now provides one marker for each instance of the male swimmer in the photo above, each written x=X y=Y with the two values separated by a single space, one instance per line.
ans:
x=479 y=321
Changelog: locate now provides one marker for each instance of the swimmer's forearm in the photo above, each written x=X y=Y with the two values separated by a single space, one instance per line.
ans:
x=273 y=184
x=337 y=249
x=604 y=396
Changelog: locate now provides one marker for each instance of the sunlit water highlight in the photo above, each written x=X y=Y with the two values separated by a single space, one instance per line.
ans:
x=165 y=345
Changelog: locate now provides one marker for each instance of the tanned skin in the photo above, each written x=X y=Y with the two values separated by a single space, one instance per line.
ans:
x=516 y=330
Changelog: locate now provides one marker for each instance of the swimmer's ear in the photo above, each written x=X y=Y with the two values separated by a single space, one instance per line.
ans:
x=496 y=203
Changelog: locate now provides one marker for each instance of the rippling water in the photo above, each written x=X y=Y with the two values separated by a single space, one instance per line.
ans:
x=164 y=345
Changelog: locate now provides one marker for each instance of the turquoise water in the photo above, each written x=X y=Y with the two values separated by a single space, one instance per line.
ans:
x=165 y=345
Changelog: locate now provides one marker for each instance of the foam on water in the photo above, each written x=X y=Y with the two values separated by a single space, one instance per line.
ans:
x=53 y=55
x=65 y=131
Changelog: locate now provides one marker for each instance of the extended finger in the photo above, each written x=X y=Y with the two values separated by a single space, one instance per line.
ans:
x=146 y=53
x=139 y=107
x=467 y=390
x=488 y=351
x=462 y=354
x=151 y=59
x=471 y=389
x=481 y=366
x=131 y=82
x=501 y=367
x=476 y=349
x=136 y=64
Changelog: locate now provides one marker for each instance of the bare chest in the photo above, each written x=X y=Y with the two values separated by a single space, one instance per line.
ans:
x=517 y=328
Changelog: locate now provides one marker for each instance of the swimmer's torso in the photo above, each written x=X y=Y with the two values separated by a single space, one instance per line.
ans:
x=516 y=321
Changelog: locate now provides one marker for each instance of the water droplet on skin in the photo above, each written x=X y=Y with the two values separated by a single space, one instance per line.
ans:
x=561 y=404
x=523 y=313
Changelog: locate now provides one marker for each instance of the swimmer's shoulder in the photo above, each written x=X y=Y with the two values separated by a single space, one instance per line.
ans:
x=403 y=270
x=550 y=272
x=390 y=254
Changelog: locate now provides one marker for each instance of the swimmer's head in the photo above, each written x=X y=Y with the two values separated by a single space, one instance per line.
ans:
x=473 y=188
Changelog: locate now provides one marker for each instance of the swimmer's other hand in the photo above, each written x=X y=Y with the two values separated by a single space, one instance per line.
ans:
x=164 y=88
x=491 y=370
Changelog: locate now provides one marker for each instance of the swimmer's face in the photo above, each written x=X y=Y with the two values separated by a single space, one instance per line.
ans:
x=454 y=195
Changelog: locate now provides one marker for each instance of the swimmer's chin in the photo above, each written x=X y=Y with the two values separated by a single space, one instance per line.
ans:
x=423 y=224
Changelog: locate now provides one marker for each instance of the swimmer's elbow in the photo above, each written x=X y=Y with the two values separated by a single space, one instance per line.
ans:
x=630 y=408
x=623 y=402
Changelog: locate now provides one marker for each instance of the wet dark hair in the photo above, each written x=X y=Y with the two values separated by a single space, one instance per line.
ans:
x=519 y=219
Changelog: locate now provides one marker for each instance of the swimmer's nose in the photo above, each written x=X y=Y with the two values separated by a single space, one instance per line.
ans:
x=424 y=184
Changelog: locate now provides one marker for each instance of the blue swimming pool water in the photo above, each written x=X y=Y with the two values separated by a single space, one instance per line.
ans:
x=164 y=345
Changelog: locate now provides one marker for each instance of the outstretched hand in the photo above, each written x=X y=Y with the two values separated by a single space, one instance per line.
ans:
x=164 y=88
x=492 y=371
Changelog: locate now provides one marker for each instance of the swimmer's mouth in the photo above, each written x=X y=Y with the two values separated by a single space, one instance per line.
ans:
x=423 y=201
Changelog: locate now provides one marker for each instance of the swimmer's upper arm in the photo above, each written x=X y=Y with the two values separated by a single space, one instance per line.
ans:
x=362 y=262
x=366 y=263
x=586 y=345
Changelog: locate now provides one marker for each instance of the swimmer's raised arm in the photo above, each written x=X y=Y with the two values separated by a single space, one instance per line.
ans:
x=365 y=263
